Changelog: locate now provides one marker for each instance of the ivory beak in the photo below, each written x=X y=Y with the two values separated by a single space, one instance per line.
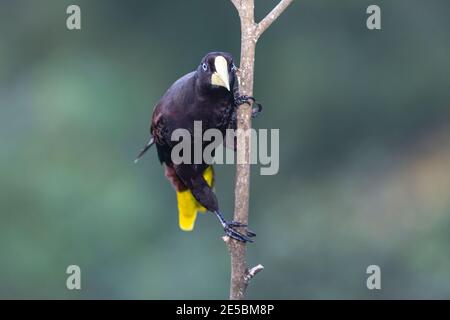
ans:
x=220 y=77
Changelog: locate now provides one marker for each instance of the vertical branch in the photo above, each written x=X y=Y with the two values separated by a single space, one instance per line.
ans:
x=250 y=32
x=242 y=185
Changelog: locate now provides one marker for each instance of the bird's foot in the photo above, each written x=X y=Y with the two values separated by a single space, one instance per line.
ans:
x=257 y=107
x=243 y=99
x=229 y=228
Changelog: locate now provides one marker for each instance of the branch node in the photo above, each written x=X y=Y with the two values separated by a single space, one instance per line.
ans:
x=226 y=239
x=252 y=272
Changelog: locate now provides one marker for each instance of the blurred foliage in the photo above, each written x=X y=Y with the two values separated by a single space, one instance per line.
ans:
x=365 y=150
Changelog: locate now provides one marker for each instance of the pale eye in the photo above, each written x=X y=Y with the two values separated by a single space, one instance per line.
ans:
x=204 y=66
x=233 y=67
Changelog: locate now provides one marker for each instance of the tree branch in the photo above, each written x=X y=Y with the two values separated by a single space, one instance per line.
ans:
x=250 y=32
x=271 y=16
x=236 y=3
x=252 y=272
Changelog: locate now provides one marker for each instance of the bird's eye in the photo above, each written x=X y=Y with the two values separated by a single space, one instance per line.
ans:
x=233 y=67
x=204 y=66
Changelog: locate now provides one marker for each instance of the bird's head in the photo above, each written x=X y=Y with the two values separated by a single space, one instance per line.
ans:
x=217 y=70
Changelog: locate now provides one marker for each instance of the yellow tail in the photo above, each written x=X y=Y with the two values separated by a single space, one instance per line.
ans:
x=188 y=206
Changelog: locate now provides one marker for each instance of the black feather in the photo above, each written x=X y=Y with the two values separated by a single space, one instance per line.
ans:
x=143 y=151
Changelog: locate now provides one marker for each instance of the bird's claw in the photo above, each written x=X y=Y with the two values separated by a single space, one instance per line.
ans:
x=251 y=101
x=236 y=224
x=243 y=99
x=256 y=110
x=250 y=233
x=232 y=233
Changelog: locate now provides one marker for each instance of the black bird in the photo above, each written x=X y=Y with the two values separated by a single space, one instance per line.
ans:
x=208 y=94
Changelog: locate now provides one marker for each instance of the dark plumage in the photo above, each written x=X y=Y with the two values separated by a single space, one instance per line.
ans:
x=208 y=94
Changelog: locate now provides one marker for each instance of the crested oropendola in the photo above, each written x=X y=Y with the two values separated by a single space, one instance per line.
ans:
x=208 y=94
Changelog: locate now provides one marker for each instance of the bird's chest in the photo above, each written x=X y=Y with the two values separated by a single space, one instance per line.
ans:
x=216 y=116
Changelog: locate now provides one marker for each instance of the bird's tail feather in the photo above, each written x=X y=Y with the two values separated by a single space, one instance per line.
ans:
x=188 y=206
x=143 y=151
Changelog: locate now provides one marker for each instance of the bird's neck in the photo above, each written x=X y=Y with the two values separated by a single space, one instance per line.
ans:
x=215 y=95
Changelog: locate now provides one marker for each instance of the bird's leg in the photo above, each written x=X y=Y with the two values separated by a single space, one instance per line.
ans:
x=228 y=227
x=239 y=100
x=203 y=193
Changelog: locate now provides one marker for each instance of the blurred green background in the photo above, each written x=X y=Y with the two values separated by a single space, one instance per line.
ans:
x=365 y=151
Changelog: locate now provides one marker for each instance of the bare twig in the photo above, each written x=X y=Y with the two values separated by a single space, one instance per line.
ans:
x=250 y=32
x=237 y=3
x=252 y=272
x=272 y=16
